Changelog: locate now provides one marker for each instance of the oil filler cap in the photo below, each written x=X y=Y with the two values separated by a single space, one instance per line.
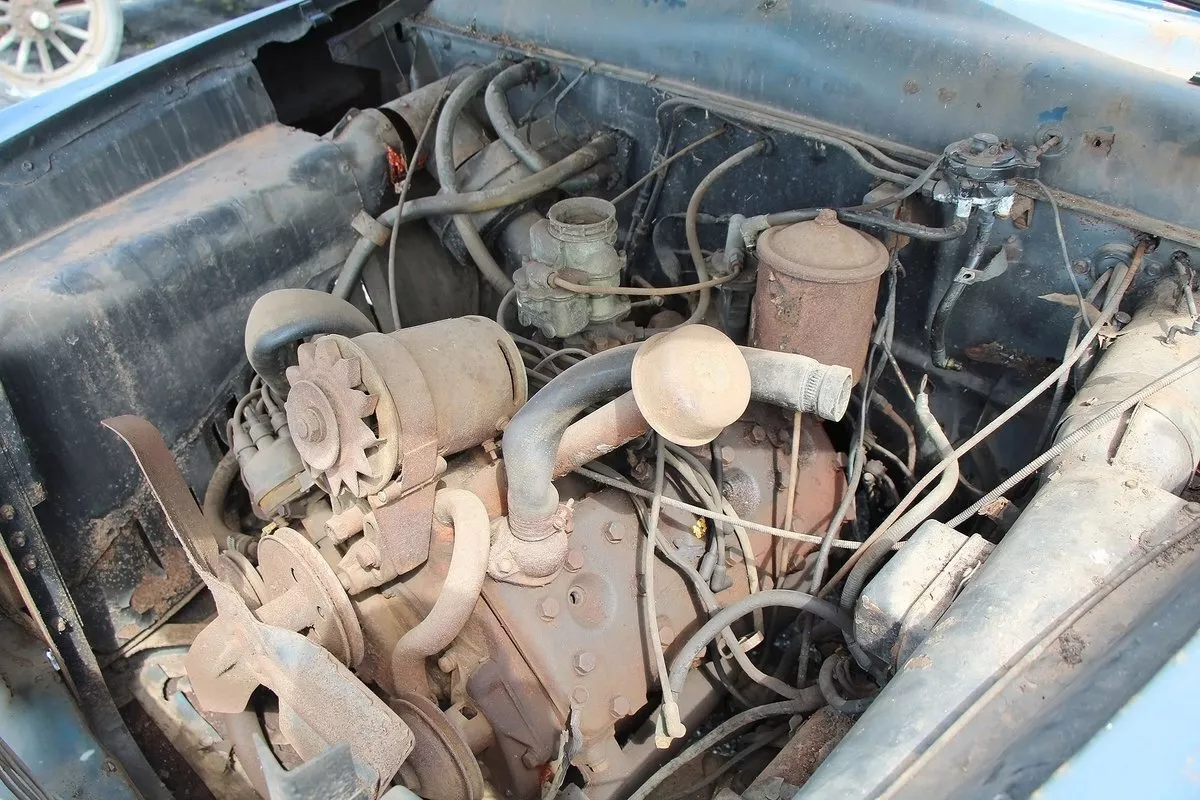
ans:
x=690 y=384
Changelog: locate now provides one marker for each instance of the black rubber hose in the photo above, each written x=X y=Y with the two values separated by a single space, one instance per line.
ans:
x=910 y=229
x=219 y=484
x=945 y=309
x=781 y=598
x=601 y=146
x=280 y=319
x=496 y=104
x=830 y=692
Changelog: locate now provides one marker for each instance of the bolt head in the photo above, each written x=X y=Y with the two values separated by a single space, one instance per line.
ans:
x=614 y=531
x=367 y=555
x=7 y=511
x=1131 y=484
x=727 y=455
x=580 y=696
x=620 y=707
x=61 y=625
x=39 y=19
x=585 y=662
x=29 y=563
x=1081 y=267
x=758 y=434
x=548 y=608
x=666 y=633
x=18 y=539
x=506 y=566
x=574 y=560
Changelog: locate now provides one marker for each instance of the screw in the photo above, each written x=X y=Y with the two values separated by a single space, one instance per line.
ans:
x=585 y=662
x=580 y=696
x=1192 y=508
x=27 y=166
x=614 y=531
x=548 y=608
x=18 y=539
x=29 y=563
x=1081 y=267
x=619 y=707
x=7 y=511
x=758 y=434
x=61 y=625
x=727 y=455
x=1131 y=484
x=574 y=560
x=168 y=89
x=505 y=566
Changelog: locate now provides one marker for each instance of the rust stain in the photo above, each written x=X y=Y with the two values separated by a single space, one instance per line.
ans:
x=998 y=354
x=946 y=96
x=156 y=593
x=911 y=86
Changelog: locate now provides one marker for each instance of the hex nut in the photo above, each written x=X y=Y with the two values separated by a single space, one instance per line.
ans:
x=29 y=563
x=726 y=455
x=574 y=560
x=666 y=633
x=585 y=662
x=758 y=434
x=614 y=531
x=619 y=707
x=548 y=608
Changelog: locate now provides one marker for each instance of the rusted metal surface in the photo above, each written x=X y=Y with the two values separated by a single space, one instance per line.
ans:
x=817 y=284
x=807 y=748
x=237 y=653
x=690 y=383
x=442 y=766
x=614 y=424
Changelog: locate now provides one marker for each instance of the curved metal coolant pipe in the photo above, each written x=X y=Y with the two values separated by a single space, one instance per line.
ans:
x=459 y=593
x=283 y=317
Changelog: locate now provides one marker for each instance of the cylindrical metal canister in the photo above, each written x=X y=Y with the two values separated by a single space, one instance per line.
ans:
x=817 y=285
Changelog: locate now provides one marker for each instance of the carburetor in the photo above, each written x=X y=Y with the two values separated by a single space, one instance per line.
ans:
x=575 y=241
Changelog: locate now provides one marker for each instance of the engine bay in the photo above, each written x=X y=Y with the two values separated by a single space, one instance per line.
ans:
x=549 y=428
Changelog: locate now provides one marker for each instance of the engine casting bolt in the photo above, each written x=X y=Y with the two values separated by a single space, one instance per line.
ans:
x=29 y=563
x=1192 y=508
x=614 y=532
x=18 y=539
x=506 y=566
x=727 y=455
x=1131 y=484
x=574 y=560
x=367 y=555
x=1081 y=267
x=666 y=633
x=758 y=434
x=585 y=662
x=580 y=696
x=7 y=511
x=548 y=608
x=61 y=625
x=619 y=707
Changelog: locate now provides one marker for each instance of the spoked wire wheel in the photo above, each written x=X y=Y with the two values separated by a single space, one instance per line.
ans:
x=44 y=44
